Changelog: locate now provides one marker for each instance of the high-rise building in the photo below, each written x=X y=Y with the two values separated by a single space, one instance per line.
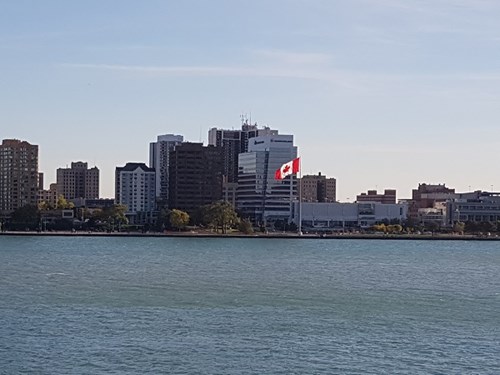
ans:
x=260 y=197
x=318 y=188
x=135 y=188
x=78 y=181
x=40 y=181
x=19 y=180
x=235 y=142
x=195 y=176
x=159 y=159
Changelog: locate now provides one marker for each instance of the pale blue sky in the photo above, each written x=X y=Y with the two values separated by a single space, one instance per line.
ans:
x=378 y=93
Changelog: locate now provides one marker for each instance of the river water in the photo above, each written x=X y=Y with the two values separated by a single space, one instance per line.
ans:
x=104 y=305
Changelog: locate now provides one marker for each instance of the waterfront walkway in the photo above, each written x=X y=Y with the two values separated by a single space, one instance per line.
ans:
x=275 y=235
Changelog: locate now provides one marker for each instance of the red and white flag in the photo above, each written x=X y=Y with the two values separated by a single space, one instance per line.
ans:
x=287 y=169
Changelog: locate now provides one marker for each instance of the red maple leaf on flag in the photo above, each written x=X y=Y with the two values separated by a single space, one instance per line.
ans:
x=287 y=169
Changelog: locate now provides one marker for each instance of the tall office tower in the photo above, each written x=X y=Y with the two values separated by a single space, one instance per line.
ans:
x=260 y=197
x=18 y=175
x=318 y=188
x=235 y=142
x=135 y=188
x=195 y=176
x=78 y=181
x=159 y=159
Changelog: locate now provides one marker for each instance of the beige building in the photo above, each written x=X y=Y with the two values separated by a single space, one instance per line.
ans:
x=388 y=197
x=78 y=181
x=48 y=196
x=318 y=188
x=18 y=175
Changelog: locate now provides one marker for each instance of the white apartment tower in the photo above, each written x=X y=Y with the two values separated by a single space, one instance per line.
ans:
x=135 y=188
x=159 y=159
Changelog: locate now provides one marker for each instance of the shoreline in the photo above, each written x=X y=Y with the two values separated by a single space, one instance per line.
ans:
x=349 y=236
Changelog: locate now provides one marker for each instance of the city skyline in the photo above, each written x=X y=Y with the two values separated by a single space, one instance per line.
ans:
x=378 y=94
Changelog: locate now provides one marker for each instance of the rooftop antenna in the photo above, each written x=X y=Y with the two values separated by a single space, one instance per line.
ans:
x=200 y=133
x=244 y=119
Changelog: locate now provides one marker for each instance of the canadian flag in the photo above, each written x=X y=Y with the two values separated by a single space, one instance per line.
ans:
x=287 y=169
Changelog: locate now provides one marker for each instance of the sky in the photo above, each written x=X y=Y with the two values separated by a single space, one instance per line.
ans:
x=377 y=93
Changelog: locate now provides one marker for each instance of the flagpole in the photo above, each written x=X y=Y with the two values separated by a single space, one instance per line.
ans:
x=300 y=196
x=291 y=198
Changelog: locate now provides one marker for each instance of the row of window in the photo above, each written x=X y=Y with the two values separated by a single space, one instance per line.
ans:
x=479 y=208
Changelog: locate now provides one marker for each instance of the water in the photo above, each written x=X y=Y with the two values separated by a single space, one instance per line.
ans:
x=248 y=306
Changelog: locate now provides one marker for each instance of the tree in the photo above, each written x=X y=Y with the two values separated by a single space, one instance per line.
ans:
x=44 y=206
x=410 y=224
x=111 y=216
x=471 y=227
x=394 y=228
x=431 y=226
x=221 y=215
x=284 y=225
x=117 y=213
x=487 y=227
x=202 y=216
x=380 y=228
x=84 y=213
x=63 y=204
x=163 y=220
x=459 y=227
x=179 y=219
x=245 y=226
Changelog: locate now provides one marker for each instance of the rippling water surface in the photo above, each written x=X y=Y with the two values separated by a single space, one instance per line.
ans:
x=248 y=306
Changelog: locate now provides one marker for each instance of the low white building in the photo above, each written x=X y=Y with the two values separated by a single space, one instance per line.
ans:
x=135 y=188
x=436 y=214
x=339 y=216
x=478 y=206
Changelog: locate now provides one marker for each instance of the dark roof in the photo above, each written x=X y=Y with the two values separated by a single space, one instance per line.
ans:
x=130 y=167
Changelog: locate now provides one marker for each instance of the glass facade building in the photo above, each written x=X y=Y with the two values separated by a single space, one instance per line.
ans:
x=260 y=197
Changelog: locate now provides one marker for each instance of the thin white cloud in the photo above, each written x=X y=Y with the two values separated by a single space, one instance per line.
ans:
x=292 y=58
x=433 y=6
x=357 y=82
x=331 y=76
x=127 y=47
